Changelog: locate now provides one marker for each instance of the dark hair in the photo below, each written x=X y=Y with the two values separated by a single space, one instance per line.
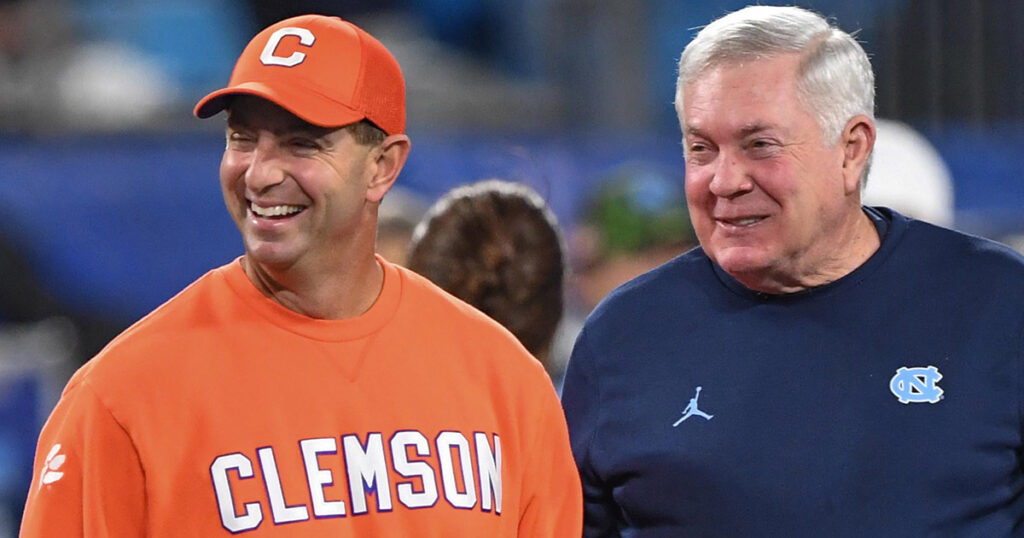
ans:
x=496 y=245
x=366 y=133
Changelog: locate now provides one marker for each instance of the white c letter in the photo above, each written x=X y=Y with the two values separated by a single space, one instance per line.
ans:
x=268 y=57
x=225 y=501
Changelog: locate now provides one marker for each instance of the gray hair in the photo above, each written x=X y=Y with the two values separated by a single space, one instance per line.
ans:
x=835 y=79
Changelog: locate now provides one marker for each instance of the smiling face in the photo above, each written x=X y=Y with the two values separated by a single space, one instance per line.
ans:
x=296 y=191
x=771 y=202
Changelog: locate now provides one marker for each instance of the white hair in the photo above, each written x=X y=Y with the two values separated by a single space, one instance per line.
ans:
x=835 y=79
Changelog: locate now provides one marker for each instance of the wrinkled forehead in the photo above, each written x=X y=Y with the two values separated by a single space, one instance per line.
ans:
x=740 y=100
x=741 y=83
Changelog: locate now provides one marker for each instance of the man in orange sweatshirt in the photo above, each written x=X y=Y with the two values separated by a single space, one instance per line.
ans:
x=310 y=387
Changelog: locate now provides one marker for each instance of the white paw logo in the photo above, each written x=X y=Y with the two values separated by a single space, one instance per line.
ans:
x=53 y=462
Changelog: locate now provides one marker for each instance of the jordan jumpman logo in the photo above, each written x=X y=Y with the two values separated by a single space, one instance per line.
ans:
x=692 y=410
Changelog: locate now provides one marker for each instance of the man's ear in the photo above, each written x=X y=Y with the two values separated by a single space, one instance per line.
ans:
x=388 y=158
x=858 y=141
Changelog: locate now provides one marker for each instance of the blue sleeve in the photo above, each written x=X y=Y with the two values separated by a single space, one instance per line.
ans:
x=581 y=399
x=1020 y=380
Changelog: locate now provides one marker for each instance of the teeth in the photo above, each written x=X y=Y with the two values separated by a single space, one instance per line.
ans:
x=276 y=210
x=744 y=222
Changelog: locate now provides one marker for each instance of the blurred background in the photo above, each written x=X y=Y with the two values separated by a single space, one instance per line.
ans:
x=110 y=201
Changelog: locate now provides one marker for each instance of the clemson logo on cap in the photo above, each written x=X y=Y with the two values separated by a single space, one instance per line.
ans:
x=306 y=39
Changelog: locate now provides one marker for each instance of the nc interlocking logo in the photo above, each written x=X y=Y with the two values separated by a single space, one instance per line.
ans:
x=917 y=385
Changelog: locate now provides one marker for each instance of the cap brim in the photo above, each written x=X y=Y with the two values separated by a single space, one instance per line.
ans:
x=309 y=106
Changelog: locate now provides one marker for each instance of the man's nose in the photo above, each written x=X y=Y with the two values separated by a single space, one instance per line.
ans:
x=265 y=167
x=731 y=176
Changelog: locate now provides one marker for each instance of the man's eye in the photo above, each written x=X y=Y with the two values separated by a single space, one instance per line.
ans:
x=699 y=154
x=237 y=138
x=697 y=147
x=700 y=149
x=762 y=144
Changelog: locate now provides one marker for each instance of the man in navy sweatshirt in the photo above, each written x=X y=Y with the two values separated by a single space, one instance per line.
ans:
x=815 y=367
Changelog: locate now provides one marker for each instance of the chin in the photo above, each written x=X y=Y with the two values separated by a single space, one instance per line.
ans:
x=270 y=254
x=741 y=260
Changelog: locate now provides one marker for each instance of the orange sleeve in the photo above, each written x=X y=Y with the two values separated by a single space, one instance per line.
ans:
x=553 y=503
x=88 y=481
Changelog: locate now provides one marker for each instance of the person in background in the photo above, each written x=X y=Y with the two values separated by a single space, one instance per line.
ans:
x=817 y=366
x=634 y=220
x=909 y=175
x=397 y=217
x=496 y=245
x=308 y=388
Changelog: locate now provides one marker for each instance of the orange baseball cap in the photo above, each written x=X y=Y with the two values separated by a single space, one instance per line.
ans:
x=324 y=70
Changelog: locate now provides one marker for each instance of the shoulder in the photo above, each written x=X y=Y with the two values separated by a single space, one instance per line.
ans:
x=428 y=299
x=446 y=320
x=147 y=351
x=945 y=250
x=470 y=348
x=948 y=267
x=673 y=285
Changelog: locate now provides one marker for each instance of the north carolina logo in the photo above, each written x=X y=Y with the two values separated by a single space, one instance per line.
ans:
x=916 y=385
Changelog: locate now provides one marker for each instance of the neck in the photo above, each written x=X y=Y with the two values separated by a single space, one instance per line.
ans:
x=341 y=291
x=847 y=251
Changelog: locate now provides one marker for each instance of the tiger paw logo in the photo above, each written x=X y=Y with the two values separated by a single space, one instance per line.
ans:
x=54 y=461
x=917 y=385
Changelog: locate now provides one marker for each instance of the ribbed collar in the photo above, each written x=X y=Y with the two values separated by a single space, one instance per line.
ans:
x=328 y=330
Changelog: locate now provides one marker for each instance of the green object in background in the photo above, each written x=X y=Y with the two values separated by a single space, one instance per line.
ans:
x=639 y=207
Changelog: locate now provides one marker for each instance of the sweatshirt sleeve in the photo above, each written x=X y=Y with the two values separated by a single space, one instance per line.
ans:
x=552 y=506
x=88 y=480
x=581 y=399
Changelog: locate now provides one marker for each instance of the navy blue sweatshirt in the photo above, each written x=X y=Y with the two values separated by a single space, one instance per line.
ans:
x=886 y=403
